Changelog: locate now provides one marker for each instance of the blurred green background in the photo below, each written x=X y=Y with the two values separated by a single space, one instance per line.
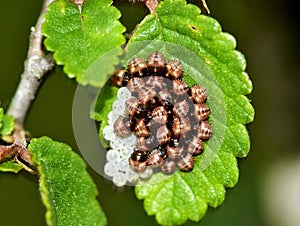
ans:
x=268 y=191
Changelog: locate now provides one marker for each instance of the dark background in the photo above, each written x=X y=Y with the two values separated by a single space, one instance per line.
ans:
x=267 y=32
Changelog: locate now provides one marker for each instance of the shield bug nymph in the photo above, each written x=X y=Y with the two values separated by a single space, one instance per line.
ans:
x=174 y=69
x=122 y=127
x=156 y=62
x=137 y=66
x=137 y=160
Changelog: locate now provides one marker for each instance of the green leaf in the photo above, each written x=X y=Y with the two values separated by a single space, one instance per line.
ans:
x=176 y=29
x=87 y=43
x=67 y=190
x=10 y=166
x=6 y=128
x=103 y=103
x=1 y=116
x=8 y=125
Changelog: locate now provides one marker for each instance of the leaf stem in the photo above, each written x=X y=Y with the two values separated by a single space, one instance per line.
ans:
x=36 y=66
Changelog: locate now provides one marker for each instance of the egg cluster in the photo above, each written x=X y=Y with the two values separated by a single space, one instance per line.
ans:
x=121 y=148
x=167 y=118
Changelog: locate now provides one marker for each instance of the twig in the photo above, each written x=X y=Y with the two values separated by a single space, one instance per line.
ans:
x=151 y=5
x=205 y=6
x=36 y=66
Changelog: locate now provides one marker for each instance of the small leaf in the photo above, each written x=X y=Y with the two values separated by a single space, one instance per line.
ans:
x=182 y=196
x=67 y=190
x=87 y=43
x=8 y=125
x=10 y=166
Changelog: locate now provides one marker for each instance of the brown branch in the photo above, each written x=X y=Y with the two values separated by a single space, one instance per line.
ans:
x=151 y=5
x=36 y=66
x=205 y=6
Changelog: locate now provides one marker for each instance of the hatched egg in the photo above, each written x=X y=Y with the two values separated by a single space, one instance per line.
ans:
x=119 y=106
x=119 y=179
x=123 y=165
x=108 y=133
x=147 y=173
x=110 y=169
x=123 y=93
x=113 y=156
x=131 y=176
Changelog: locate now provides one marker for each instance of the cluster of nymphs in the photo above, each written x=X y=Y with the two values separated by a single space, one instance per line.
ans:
x=168 y=119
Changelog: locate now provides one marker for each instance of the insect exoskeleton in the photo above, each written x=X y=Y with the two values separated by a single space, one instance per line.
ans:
x=201 y=111
x=174 y=152
x=164 y=94
x=162 y=152
x=186 y=162
x=176 y=126
x=168 y=166
x=180 y=87
x=185 y=125
x=198 y=94
x=159 y=115
x=155 y=82
x=134 y=108
x=146 y=94
x=141 y=129
x=205 y=130
x=155 y=159
x=122 y=127
x=141 y=144
x=174 y=141
x=121 y=77
x=131 y=106
x=195 y=147
x=137 y=66
x=146 y=144
x=135 y=84
x=165 y=98
x=181 y=108
x=174 y=69
x=156 y=62
x=138 y=160
x=163 y=135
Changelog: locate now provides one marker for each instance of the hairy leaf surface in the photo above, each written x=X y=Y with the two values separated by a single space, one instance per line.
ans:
x=87 y=43
x=8 y=125
x=182 y=196
x=67 y=190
